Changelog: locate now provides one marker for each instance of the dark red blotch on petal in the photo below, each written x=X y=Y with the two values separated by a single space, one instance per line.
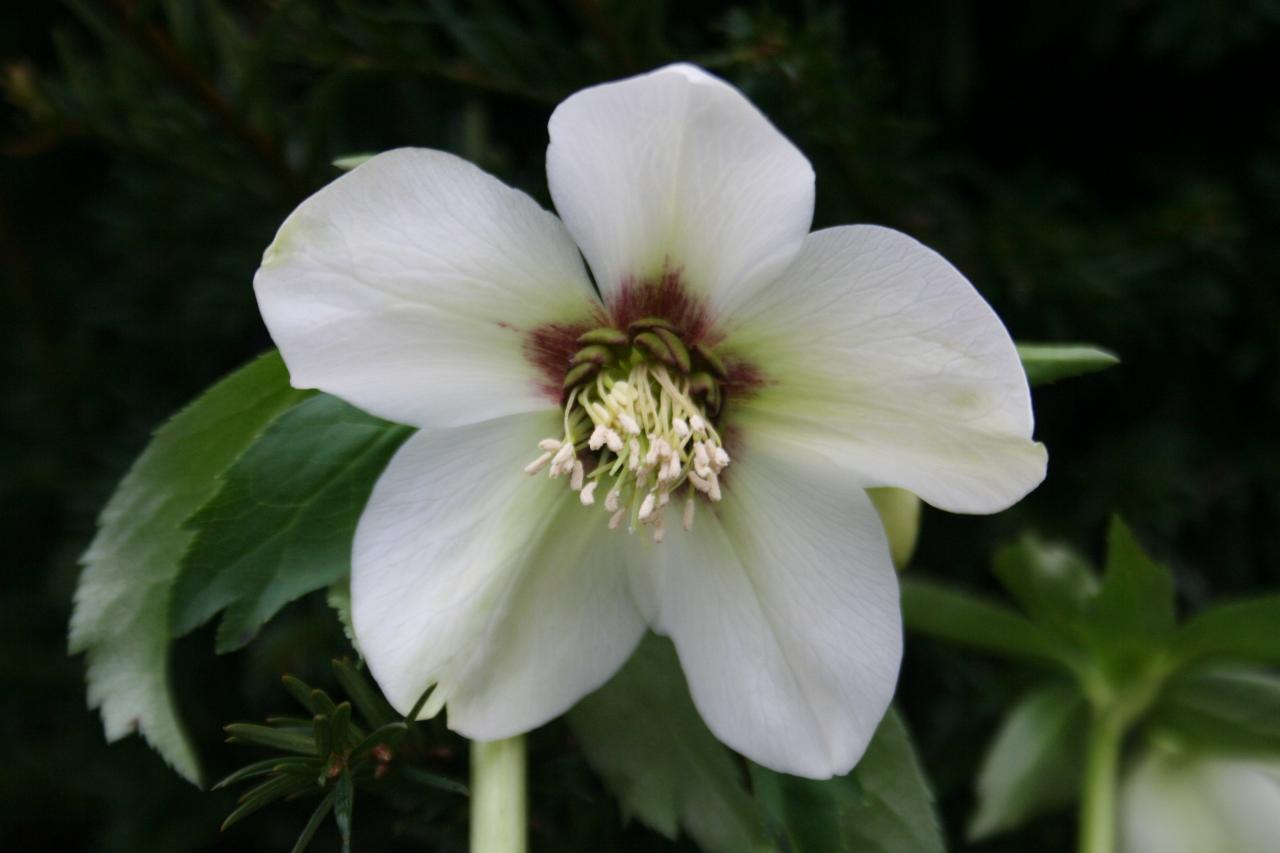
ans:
x=667 y=297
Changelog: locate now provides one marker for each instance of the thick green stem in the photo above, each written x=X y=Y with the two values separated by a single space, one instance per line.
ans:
x=498 y=799
x=1099 y=792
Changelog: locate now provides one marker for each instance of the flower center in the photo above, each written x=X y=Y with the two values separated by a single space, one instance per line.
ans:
x=638 y=425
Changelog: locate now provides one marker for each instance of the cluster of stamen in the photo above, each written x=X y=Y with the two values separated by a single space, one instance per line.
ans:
x=638 y=431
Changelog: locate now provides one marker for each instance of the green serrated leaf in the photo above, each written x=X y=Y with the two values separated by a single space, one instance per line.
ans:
x=1223 y=711
x=339 y=598
x=1243 y=630
x=644 y=737
x=883 y=806
x=1047 y=363
x=1136 y=599
x=961 y=617
x=282 y=522
x=1034 y=764
x=122 y=603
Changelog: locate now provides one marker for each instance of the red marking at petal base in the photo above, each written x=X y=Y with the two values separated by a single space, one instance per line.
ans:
x=667 y=297
x=549 y=348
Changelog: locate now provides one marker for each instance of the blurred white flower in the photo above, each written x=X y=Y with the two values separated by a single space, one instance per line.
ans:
x=1177 y=803
x=730 y=386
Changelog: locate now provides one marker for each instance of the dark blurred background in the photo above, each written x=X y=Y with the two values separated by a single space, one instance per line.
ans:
x=1104 y=171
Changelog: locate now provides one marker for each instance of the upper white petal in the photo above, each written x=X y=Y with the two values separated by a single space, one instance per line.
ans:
x=675 y=170
x=783 y=605
x=409 y=287
x=1189 y=804
x=498 y=587
x=878 y=353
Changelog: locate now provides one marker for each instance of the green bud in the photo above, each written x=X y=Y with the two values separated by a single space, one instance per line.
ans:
x=900 y=513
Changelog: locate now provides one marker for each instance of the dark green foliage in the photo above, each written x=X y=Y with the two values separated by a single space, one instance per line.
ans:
x=282 y=521
x=327 y=755
x=1104 y=172
x=1124 y=662
x=883 y=806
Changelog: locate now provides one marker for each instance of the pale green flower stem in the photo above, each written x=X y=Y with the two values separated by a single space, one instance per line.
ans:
x=1099 y=792
x=499 y=802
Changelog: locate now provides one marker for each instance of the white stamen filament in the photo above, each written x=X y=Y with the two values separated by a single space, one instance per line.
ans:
x=650 y=441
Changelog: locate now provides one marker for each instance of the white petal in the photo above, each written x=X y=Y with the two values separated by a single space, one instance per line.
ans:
x=783 y=604
x=1187 y=804
x=421 y=289
x=878 y=353
x=498 y=587
x=675 y=171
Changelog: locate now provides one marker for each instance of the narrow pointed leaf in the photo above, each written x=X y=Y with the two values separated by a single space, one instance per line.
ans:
x=1243 y=630
x=1234 y=710
x=1047 y=363
x=313 y=825
x=971 y=620
x=1033 y=766
x=299 y=690
x=435 y=780
x=366 y=698
x=644 y=737
x=121 y=616
x=265 y=794
x=282 y=522
x=344 y=803
x=301 y=741
x=249 y=771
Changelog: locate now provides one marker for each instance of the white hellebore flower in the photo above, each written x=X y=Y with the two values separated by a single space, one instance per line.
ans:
x=729 y=387
x=1178 y=803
